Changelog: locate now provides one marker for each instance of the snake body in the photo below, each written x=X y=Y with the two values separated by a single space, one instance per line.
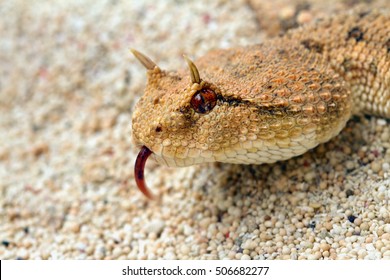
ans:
x=267 y=102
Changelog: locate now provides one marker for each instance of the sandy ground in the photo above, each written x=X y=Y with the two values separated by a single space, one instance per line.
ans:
x=68 y=86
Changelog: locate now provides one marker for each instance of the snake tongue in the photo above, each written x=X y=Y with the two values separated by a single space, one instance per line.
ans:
x=139 y=168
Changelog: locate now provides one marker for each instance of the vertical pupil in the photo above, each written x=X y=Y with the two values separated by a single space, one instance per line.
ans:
x=199 y=99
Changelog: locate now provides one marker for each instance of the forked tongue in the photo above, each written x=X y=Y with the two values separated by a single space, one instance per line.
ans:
x=139 y=168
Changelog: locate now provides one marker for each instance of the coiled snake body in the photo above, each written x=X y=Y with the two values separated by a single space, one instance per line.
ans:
x=267 y=102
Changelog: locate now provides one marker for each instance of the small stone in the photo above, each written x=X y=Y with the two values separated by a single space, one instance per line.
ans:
x=187 y=230
x=337 y=229
x=386 y=236
x=234 y=211
x=387 y=228
x=378 y=245
x=268 y=224
x=315 y=256
x=371 y=215
x=245 y=257
x=170 y=256
x=205 y=222
x=286 y=250
x=185 y=250
x=45 y=255
x=351 y=218
x=325 y=254
x=287 y=12
x=315 y=205
x=376 y=166
x=350 y=165
x=248 y=245
x=357 y=221
x=40 y=149
x=155 y=226
x=23 y=254
x=74 y=227
x=117 y=252
x=312 y=224
x=304 y=17
x=310 y=176
x=127 y=205
x=323 y=185
x=364 y=226
x=4 y=154
x=385 y=136
x=369 y=239
x=81 y=246
x=324 y=247
x=328 y=226
x=278 y=224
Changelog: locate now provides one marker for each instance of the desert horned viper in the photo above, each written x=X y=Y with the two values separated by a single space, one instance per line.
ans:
x=267 y=102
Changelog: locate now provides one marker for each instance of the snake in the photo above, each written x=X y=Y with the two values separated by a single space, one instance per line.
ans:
x=266 y=102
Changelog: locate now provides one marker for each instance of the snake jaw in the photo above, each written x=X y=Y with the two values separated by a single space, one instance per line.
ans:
x=139 y=168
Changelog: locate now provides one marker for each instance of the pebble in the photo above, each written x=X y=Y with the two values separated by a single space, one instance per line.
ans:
x=304 y=17
x=337 y=229
x=185 y=250
x=245 y=257
x=204 y=223
x=387 y=228
x=310 y=176
x=364 y=226
x=371 y=215
x=81 y=246
x=155 y=226
x=376 y=166
x=385 y=166
x=23 y=254
x=286 y=250
x=315 y=256
x=268 y=224
x=357 y=221
x=385 y=136
x=187 y=230
x=325 y=247
x=350 y=165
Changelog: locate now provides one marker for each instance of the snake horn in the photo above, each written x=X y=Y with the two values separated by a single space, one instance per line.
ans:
x=195 y=78
x=146 y=61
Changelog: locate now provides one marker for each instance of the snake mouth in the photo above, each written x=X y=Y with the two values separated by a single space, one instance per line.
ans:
x=139 y=168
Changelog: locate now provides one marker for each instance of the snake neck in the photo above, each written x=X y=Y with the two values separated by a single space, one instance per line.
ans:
x=357 y=47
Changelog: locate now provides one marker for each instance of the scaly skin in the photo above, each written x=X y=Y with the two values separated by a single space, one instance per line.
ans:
x=274 y=100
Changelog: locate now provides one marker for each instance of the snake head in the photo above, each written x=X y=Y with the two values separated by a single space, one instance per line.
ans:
x=166 y=117
x=251 y=105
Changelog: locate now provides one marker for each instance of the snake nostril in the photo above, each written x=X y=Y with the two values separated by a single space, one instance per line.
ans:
x=158 y=128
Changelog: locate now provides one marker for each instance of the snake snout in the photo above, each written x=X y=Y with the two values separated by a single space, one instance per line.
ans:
x=139 y=168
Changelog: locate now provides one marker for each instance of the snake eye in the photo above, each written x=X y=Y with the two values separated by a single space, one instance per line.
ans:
x=204 y=101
